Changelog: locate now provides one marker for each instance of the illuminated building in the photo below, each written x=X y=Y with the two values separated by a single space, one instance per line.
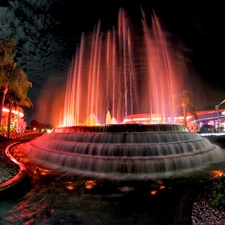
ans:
x=153 y=119
x=205 y=117
x=208 y=117
x=16 y=120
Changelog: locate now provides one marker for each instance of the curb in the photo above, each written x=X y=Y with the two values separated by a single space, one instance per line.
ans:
x=183 y=215
x=20 y=176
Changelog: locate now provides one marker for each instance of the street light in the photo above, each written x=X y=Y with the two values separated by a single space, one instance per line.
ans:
x=217 y=112
x=218 y=119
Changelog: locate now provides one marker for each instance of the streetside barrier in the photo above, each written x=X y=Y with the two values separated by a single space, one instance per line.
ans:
x=22 y=172
x=16 y=135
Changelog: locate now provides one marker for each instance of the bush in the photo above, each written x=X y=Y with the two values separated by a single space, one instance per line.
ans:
x=219 y=196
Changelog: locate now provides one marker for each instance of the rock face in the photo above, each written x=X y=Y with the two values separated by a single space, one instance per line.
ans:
x=128 y=151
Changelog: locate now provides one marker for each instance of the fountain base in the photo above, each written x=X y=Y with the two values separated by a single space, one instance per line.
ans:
x=126 y=152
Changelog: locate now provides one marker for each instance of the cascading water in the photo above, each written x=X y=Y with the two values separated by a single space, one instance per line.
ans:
x=126 y=152
x=112 y=77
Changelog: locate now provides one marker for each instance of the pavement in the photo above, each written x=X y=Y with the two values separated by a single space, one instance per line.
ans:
x=19 y=176
x=183 y=215
x=12 y=170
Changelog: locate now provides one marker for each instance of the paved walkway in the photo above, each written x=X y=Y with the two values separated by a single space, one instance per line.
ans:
x=12 y=172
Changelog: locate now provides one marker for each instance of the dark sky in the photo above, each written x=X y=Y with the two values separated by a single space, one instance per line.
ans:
x=48 y=32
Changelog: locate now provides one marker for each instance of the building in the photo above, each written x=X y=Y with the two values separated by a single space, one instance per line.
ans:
x=211 y=120
x=17 y=122
x=148 y=118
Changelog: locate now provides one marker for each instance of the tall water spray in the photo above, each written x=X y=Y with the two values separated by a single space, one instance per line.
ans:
x=111 y=77
x=122 y=72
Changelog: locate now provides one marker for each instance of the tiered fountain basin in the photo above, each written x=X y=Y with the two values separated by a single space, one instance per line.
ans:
x=125 y=152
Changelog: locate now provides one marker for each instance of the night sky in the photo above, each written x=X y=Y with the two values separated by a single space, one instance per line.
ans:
x=48 y=32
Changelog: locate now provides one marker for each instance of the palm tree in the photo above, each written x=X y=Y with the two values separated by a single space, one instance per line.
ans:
x=7 y=68
x=14 y=84
x=188 y=105
x=17 y=93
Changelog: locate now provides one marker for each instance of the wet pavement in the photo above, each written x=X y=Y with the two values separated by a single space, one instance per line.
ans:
x=49 y=196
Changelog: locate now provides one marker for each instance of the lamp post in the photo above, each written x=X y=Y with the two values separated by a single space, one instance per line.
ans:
x=184 y=105
x=217 y=112
x=218 y=119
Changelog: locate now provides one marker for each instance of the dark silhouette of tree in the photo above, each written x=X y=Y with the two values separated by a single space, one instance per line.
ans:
x=7 y=69
x=40 y=126
x=34 y=123
x=187 y=104
x=14 y=84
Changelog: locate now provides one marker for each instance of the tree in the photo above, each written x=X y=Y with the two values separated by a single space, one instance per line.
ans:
x=7 y=68
x=40 y=126
x=17 y=93
x=34 y=123
x=14 y=84
x=188 y=105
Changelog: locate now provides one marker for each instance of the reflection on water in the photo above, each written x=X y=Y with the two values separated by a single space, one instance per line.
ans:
x=54 y=197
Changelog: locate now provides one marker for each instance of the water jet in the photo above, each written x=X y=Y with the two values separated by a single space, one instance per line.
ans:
x=114 y=76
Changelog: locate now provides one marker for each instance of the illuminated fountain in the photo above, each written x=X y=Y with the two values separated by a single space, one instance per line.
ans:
x=123 y=72
x=114 y=76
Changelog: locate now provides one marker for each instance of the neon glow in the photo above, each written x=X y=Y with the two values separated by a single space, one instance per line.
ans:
x=153 y=192
x=218 y=173
x=90 y=184
x=70 y=186
x=153 y=120
x=14 y=112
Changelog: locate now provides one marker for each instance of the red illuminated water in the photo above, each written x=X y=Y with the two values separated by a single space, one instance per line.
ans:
x=115 y=74
x=123 y=72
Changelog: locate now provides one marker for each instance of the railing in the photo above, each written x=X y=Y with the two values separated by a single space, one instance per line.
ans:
x=16 y=135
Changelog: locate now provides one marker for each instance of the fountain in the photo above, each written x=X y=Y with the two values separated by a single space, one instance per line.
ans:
x=123 y=72
x=111 y=77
